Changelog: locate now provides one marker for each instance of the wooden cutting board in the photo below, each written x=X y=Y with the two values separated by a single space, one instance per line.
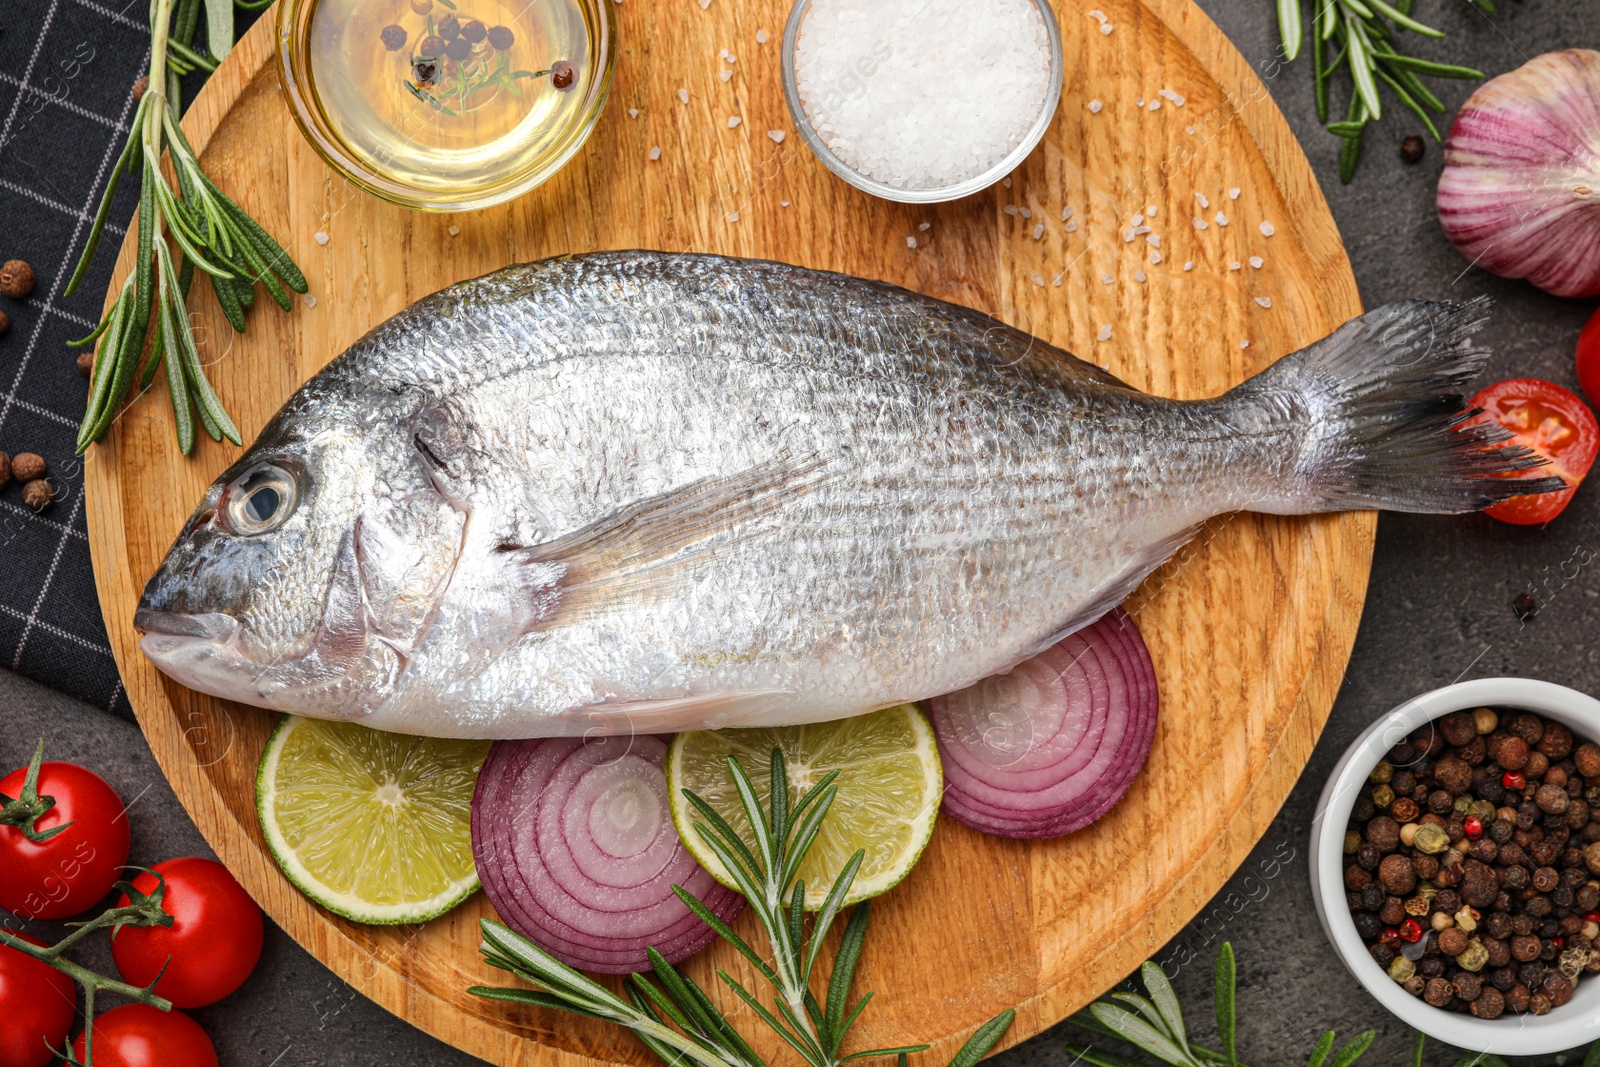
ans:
x=1250 y=627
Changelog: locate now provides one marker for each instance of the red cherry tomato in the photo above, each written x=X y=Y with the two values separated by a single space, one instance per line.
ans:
x=214 y=941
x=1589 y=358
x=75 y=869
x=1552 y=422
x=136 y=1035
x=37 y=1004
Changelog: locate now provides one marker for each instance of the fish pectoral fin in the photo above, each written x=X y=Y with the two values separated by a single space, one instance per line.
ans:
x=701 y=711
x=637 y=553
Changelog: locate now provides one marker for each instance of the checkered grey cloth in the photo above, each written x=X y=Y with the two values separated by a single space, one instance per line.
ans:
x=66 y=67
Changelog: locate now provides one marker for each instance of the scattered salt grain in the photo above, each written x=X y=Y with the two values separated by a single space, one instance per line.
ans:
x=924 y=226
x=1264 y=301
x=761 y=37
x=1139 y=102
x=1037 y=279
x=1099 y=16
x=1066 y=213
x=1155 y=105
x=1129 y=234
x=1025 y=213
x=655 y=151
x=1233 y=194
x=1200 y=198
x=1267 y=229
x=1150 y=211
x=1189 y=130
x=1188 y=264
x=1222 y=220
x=724 y=75
x=1071 y=227
x=1056 y=281
x=729 y=57
x=1038 y=231
x=320 y=237
x=1176 y=99
x=783 y=203
x=1095 y=106
x=310 y=300
x=1105 y=31
x=777 y=136
x=1236 y=265
x=1244 y=344
x=1200 y=223
x=704 y=4
x=1257 y=262
x=1006 y=181
x=734 y=120
x=1154 y=240
x=1105 y=333
x=454 y=230
x=990 y=60
x=1139 y=276
x=733 y=216
x=911 y=242
x=1155 y=257
x=1106 y=279
x=1010 y=209
x=633 y=112
x=683 y=96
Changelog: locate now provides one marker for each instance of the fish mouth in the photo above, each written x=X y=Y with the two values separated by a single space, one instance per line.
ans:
x=210 y=626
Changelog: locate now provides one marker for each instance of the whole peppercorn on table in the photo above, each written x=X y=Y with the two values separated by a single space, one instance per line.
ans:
x=1448 y=599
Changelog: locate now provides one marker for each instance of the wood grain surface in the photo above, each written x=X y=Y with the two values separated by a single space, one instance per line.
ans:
x=1250 y=627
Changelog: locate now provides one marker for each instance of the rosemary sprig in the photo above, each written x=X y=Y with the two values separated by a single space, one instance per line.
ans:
x=1362 y=34
x=673 y=1016
x=213 y=235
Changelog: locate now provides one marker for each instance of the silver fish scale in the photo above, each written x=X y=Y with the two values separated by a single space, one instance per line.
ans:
x=977 y=491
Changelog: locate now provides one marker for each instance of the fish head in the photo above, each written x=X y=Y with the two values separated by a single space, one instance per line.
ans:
x=305 y=575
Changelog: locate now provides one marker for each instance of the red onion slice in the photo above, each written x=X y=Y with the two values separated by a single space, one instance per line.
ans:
x=1051 y=745
x=575 y=845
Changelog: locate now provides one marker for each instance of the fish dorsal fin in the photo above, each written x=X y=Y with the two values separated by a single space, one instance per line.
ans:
x=635 y=554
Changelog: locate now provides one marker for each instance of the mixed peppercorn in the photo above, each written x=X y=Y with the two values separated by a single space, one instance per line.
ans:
x=1472 y=860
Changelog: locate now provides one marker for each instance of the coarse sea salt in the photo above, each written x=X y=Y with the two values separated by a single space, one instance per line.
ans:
x=1140 y=276
x=1066 y=213
x=1105 y=333
x=761 y=37
x=683 y=96
x=724 y=75
x=1038 y=231
x=320 y=237
x=1176 y=99
x=1155 y=257
x=1264 y=301
x=734 y=120
x=1106 y=279
x=310 y=300
x=777 y=136
x=1071 y=227
x=1095 y=106
x=1267 y=229
x=655 y=151
x=1037 y=279
x=1200 y=223
x=911 y=242
x=863 y=71
x=1257 y=262
x=1200 y=198
x=1222 y=220
x=1233 y=194
x=924 y=226
x=1188 y=264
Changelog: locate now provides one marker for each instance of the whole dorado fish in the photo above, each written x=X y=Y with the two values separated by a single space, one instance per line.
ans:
x=652 y=492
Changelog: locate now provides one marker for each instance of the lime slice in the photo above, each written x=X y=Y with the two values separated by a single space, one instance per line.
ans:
x=376 y=827
x=889 y=785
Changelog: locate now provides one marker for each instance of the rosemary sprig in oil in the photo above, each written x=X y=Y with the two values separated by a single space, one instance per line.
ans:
x=212 y=233
x=674 y=1017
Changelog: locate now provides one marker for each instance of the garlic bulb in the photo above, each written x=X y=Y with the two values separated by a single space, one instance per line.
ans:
x=1520 y=192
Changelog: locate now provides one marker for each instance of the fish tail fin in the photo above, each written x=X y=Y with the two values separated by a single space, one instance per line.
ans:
x=1378 y=410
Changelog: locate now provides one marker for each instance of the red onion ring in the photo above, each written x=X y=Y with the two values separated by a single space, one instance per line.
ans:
x=575 y=845
x=1052 y=744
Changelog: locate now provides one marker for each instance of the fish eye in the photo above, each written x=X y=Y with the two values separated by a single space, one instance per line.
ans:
x=261 y=499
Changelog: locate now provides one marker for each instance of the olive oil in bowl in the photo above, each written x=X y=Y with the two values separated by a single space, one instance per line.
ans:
x=446 y=104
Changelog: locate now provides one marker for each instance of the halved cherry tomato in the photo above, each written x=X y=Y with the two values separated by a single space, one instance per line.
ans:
x=136 y=1035
x=1589 y=358
x=1554 y=423
x=212 y=945
x=37 y=1005
x=73 y=870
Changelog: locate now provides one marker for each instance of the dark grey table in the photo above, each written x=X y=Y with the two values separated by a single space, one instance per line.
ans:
x=1438 y=610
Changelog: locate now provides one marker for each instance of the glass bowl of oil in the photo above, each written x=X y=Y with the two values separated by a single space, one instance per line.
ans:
x=446 y=105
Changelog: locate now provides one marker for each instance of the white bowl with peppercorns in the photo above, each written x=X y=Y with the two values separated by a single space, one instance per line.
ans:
x=1465 y=899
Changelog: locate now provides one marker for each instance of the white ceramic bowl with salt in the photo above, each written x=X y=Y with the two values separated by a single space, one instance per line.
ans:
x=922 y=101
